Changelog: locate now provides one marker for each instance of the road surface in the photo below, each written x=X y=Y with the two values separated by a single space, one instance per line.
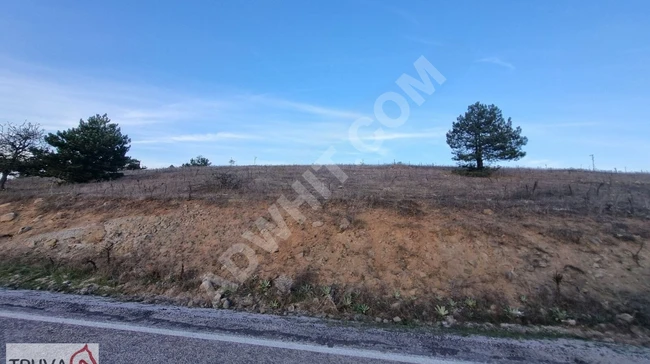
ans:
x=130 y=332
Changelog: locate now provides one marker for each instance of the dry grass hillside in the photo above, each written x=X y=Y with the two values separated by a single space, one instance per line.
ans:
x=418 y=243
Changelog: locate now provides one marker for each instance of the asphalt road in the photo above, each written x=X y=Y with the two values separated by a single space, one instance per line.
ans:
x=130 y=332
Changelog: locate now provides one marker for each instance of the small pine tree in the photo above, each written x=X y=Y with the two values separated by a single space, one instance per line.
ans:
x=199 y=161
x=134 y=164
x=483 y=135
x=95 y=150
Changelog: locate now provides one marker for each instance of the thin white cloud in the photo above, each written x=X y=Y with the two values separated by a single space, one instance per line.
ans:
x=196 y=138
x=304 y=107
x=395 y=136
x=404 y=15
x=551 y=128
x=565 y=125
x=58 y=99
x=154 y=118
x=496 y=60
x=318 y=134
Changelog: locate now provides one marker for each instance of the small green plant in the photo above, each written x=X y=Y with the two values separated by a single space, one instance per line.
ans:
x=470 y=302
x=523 y=298
x=347 y=300
x=513 y=312
x=439 y=297
x=274 y=304
x=452 y=303
x=441 y=311
x=265 y=284
x=397 y=295
x=327 y=290
x=306 y=289
x=362 y=308
x=558 y=314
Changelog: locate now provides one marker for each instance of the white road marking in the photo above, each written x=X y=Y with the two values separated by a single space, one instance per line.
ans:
x=351 y=352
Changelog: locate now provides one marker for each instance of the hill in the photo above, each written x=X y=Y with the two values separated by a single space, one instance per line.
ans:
x=419 y=243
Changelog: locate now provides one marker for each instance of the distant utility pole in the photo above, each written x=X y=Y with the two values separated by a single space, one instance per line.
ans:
x=593 y=163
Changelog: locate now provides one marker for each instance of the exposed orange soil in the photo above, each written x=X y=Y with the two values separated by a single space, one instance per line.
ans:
x=440 y=252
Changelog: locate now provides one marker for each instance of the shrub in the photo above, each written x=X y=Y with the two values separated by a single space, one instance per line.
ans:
x=228 y=181
x=199 y=161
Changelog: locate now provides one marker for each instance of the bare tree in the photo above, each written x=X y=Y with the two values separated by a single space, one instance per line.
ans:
x=16 y=145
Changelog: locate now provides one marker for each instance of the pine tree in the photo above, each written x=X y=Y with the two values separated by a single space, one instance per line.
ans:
x=95 y=150
x=482 y=135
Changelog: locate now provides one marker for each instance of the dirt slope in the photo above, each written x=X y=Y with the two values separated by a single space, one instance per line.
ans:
x=422 y=256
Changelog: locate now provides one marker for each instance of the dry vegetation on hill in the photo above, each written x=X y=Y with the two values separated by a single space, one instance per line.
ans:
x=573 y=192
x=421 y=243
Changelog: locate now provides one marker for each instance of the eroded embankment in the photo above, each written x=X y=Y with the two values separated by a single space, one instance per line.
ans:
x=343 y=260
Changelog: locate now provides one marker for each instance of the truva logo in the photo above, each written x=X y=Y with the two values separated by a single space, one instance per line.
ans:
x=83 y=356
x=82 y=353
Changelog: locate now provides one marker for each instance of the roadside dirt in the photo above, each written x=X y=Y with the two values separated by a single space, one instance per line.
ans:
x=393 y=255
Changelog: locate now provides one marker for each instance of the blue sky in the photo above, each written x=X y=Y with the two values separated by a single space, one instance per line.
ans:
x=281 y=81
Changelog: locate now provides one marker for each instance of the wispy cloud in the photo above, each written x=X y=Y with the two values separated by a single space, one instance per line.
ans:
x=169 y=127
x=405 y=15
x=402 y=13
x=155 y=118
x=308 y=108
x=552 y=127
x=58 y=99
x=396 y=136
x=497 y=61
x=196 y=138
